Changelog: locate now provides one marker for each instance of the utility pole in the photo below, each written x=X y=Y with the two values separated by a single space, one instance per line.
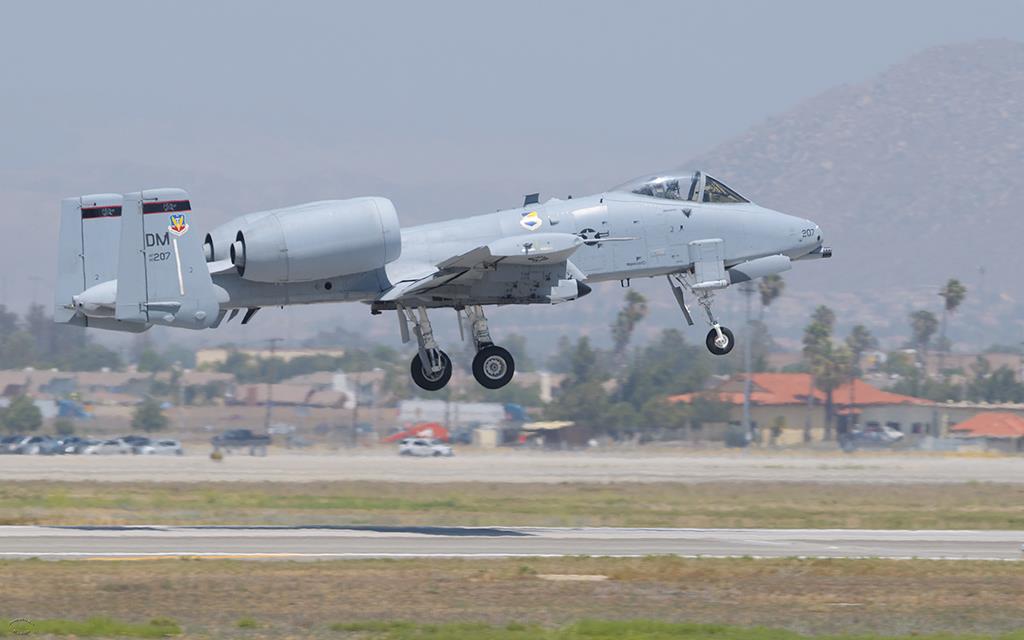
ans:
x=748 y=292
x=270 y=381
x=35 y=280
x=354 y=434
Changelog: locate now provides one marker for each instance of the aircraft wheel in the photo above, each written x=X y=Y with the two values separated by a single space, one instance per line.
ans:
x=493 y=367
x=427 y=379
x=720 y=348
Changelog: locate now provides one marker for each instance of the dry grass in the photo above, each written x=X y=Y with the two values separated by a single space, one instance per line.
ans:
x=209 y=598
x=732 y=504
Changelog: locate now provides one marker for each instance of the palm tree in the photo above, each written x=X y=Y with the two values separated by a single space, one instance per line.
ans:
x=770 y=288
x=859 y=341
x=817 y=349
x=922 y=327
x=830 y=368
x=953 y=295
x=629 y=316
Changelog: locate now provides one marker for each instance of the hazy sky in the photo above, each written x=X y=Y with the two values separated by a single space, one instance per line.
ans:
x=447 y=108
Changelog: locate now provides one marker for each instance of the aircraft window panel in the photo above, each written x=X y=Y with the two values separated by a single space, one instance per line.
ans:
x=665 y=187
x=668 y=190
x=717 y=192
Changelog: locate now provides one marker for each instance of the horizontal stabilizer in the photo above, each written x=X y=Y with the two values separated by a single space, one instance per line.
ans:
x=220 y=266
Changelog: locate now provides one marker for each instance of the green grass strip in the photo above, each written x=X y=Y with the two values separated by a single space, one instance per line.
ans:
x=99 y=627
x=606 y=630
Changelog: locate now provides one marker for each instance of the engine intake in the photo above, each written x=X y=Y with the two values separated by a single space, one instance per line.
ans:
x=316 y=241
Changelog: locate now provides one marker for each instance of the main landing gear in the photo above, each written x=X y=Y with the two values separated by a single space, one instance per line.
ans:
x=719 y=340
x=431 y=368
x=493 y=366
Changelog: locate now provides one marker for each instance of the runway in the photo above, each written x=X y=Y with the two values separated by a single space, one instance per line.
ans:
x=324 y=543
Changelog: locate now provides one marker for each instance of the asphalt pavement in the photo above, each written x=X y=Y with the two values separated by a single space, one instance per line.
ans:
x=468 y=465
x=323 y=542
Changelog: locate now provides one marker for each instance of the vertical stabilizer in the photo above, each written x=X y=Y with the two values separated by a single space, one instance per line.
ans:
x=87 y=248
x=162 y=274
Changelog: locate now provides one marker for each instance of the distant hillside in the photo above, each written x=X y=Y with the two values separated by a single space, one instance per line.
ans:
x=923 y=164
x=915 y=175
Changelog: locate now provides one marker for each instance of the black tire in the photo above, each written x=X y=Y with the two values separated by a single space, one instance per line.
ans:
x=435 y=383
x=493 y=367
x=714 y=348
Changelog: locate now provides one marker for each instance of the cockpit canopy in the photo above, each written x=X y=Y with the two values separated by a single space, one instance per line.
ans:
x=693 y=187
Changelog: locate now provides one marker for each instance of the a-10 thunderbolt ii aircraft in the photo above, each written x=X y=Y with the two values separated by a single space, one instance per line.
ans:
x=131 y=261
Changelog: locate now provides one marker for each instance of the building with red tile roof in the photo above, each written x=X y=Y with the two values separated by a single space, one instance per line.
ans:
x=991 y=424
x=1003 y=431
x=790 y=399
x=780 y=389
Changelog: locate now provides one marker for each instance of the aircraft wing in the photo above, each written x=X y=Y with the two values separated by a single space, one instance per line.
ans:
x=515 y=270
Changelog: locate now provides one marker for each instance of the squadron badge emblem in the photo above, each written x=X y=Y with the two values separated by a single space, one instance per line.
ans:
x=531 y=221
x=178 y=225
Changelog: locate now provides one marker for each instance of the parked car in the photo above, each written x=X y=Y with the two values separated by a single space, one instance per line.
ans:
x=9 y=443
x=135 y=442
x=870 y=437
x=108 y=447
x=70 y=444
x=38 y=445
x=81 y=445
x=422 y=447
x=256 y=443
x=161 y=448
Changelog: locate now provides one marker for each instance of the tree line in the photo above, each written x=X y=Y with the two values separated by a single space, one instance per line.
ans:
x=35 y=340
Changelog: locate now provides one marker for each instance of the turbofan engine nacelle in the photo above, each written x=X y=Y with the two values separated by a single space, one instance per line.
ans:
x=217 y=245
x=316 y=241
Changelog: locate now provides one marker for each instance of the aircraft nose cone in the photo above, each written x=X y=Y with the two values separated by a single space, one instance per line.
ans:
x=817 y=239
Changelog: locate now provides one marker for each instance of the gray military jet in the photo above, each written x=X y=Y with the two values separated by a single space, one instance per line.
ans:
x=130 y=261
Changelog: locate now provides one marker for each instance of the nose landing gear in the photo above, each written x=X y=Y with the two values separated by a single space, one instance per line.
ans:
x=720 y=340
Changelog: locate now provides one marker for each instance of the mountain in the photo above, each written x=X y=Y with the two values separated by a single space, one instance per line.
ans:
x=915 y=175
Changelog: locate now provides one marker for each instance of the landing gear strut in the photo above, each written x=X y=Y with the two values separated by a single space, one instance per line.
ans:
x=431 y=368
x=720 y=340
x=493 y=366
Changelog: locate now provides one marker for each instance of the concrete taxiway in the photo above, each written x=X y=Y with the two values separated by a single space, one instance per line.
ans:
x=321 y=542
x=379 y=465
